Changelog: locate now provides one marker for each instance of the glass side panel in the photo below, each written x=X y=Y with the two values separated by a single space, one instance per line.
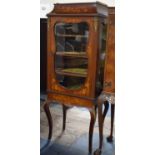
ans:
x=103 y=35
x=71 y=62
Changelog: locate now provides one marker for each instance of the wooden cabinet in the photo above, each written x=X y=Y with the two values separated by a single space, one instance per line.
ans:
x=76 y=58
x=108 y=94
x=77 y=36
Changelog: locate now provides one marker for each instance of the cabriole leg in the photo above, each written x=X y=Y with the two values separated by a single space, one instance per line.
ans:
x=49 y=118
x=101 y=118
x=91 y=127
x=64 y=108
x=110 y=138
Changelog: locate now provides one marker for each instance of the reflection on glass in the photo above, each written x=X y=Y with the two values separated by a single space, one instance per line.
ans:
x=71 y=62
x=103 y=34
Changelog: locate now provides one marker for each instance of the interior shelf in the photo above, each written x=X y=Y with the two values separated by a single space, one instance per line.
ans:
x=72 y=54
x=77 y=72
x=71 y=35
x=74 y=87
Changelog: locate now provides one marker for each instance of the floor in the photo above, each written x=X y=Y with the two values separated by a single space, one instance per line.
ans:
x=74 y=140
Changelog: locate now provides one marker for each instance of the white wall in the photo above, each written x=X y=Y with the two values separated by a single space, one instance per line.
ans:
x=47 y=5
x=109 y=2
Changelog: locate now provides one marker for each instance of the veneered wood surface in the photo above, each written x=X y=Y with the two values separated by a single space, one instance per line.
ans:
x=109 y=74
x=79 y=8
x=71 y=101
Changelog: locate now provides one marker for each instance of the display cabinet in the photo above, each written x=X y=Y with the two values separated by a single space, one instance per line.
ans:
x=77 y=39
x=108 y=93
x=109 y=73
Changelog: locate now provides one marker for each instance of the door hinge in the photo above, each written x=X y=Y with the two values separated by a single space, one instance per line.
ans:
x=95 y=23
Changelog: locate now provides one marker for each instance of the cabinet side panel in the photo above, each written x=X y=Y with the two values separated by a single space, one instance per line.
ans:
x=109 y=74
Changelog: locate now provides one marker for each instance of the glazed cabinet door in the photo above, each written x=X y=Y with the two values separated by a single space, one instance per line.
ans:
x=70 y=55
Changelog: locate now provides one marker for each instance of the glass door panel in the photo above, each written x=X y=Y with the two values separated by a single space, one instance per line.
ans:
x=71 y=62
